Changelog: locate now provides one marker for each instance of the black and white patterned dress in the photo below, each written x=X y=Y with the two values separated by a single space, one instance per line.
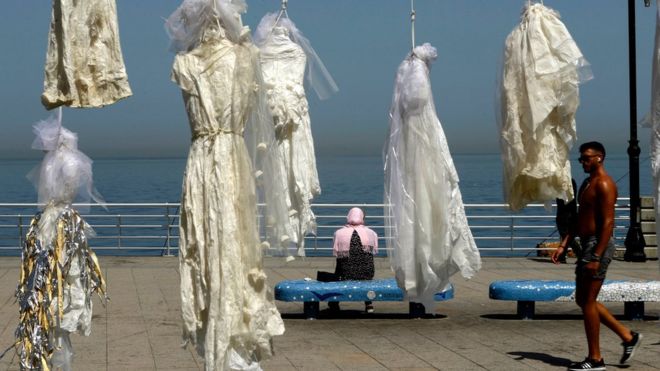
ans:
x=359 y=265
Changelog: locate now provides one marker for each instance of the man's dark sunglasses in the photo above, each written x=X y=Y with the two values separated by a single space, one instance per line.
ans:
x=585 y=158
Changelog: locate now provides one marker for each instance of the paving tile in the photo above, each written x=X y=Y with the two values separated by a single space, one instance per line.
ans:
x=140 y=327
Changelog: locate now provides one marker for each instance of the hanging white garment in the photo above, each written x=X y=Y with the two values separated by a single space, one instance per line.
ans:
x=283 y=66
x=539 y=98
x=655 y=120
x=426 y=227
x=59 y=271
x=84 y=64
x=227 y=305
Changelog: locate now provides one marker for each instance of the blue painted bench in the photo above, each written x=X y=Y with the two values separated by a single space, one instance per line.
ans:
x=527 y=292
x=312 y=292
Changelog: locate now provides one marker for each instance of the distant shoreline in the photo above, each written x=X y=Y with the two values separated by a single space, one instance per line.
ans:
x=157 y=158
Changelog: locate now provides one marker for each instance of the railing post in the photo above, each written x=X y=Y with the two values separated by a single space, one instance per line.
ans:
x=119 y=232
x=20 y=231
x=167 y=221
x=512 y=233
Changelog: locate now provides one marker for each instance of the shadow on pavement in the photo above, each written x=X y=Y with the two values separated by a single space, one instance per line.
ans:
x=557 y=317
x=358 y=314
x=545 y=358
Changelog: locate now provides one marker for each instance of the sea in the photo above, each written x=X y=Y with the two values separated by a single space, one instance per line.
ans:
x=344 y=180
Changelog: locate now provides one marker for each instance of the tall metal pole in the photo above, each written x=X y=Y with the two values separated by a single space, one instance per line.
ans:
x=634 y=238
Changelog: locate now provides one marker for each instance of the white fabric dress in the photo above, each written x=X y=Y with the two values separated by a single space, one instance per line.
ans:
x=283 y=66
x=227 y=305
x=84 y=64
x=654 y=117
x=428 y=234
x=539 y=98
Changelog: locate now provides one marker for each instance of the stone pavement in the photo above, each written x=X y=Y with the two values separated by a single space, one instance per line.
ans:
x=139 y=329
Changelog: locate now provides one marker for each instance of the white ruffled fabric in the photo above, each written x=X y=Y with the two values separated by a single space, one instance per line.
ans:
x=543 y=68
x=318 y=77
x=227 y=306
x=426 y=227
x=65 y=175
x=283 y=66
x=84 y=64
x=654 y=117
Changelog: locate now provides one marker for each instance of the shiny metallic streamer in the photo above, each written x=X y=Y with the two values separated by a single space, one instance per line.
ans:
x=44 y=269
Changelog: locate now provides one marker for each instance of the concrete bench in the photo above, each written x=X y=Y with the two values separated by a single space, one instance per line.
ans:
x=312 y=292
x=527 y=292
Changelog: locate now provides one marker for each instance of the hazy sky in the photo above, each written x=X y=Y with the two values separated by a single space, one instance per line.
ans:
x=361 y=42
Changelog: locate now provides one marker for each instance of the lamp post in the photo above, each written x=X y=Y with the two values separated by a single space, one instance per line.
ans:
x=634 y=238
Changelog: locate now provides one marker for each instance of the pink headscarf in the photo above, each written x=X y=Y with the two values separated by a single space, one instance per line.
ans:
x=355 y=222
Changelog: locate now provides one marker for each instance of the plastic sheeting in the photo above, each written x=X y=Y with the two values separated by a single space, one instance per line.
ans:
x=84 y=64
x=543 y=68
x=425 y=222
x=65 y=174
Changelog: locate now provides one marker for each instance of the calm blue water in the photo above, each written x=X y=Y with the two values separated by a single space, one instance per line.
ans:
x=353 y=180
x=343 y=179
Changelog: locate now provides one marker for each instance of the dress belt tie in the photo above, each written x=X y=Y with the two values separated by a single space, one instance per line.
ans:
x=213 y=133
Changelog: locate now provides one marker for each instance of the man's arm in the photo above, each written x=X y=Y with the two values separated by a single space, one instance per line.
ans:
x=563 y=245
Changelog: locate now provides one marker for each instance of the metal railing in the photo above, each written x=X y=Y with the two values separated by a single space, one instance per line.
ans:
x=152 y=228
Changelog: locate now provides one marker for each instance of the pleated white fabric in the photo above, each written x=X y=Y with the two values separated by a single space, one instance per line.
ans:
x=283 y=65
x=84 y=64
x=543 y=68
x=426 y=227
x=227 y=306
x=655 y=120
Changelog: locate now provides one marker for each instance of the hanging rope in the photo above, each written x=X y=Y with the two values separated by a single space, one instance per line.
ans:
x=412 y=21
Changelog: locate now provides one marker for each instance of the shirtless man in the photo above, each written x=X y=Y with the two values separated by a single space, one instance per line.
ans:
x=596 y=198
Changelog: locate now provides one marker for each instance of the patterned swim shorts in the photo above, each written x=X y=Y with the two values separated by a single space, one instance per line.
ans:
x=588 y=247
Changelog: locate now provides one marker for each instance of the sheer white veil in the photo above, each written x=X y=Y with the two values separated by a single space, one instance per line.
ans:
x=318 y=76
x=65 y=174
x=186 y=25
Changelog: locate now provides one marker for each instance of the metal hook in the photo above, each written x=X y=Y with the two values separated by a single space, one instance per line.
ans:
x=413 y=15
x=647 y=3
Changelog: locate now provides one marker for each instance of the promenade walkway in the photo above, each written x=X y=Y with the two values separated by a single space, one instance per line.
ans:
x=139 y=329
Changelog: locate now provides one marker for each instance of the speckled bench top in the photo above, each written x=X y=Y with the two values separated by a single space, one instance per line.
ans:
x=546 y=290
x=374 y=290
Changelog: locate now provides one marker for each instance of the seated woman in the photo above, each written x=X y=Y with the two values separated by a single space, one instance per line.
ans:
x=354 y=246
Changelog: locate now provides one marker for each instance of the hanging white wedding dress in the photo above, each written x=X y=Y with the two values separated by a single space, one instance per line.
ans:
x=84 y=64
x=425 y=223
x=654 y=118
x=543 y=68
x=285 y=54
x=283 y=64
x=227 y=305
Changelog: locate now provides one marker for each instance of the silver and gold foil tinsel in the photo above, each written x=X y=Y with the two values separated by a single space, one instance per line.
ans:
x=44 y=269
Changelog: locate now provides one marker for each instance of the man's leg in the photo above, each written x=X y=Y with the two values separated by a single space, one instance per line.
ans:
x=587 y=290
x=608 y=320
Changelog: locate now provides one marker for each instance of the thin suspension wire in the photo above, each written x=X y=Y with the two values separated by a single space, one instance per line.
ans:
x=412 y=21
x=283 y=11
